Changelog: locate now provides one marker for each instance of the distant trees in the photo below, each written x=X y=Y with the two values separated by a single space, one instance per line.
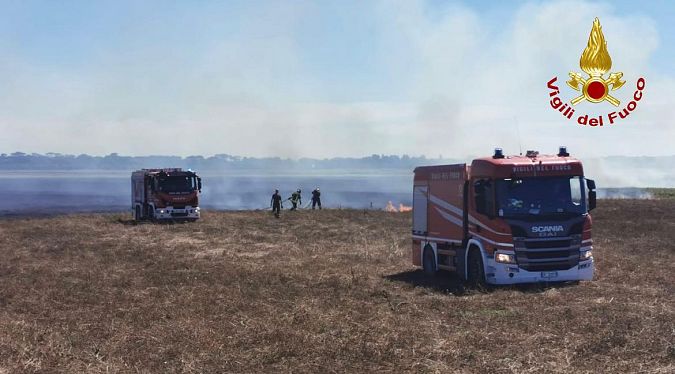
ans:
x=114 y=161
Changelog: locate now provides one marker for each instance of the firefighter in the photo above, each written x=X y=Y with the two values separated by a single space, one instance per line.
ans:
x=296 y=198
x=276 y=203
x=316 y=198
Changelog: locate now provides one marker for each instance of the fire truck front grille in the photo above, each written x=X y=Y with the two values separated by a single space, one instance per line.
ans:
x=546 y=254
x=536 y=244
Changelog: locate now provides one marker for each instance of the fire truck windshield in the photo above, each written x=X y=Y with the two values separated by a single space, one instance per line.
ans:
x=542 y=196
x=176 y=184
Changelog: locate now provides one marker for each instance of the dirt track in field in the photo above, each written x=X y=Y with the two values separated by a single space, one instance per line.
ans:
x=320 y=291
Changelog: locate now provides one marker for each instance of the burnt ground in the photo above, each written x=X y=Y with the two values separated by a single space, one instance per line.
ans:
x=322 y=291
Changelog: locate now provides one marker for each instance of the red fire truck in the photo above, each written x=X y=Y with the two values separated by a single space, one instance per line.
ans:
x=165 y=194
x=505 y=219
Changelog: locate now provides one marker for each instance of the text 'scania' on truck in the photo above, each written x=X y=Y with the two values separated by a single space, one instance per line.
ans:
x=505 y=219
x=165 y=194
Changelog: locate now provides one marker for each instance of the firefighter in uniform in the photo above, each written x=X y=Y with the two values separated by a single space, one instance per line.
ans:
x=296 y=199
x=276 y=203
x=316 y=198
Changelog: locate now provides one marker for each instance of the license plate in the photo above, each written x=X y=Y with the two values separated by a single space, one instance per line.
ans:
x=549 y=274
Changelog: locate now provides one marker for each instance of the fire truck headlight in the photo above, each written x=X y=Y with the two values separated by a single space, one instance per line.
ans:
x=161 y=211
x=585 y=255
x=505 y=258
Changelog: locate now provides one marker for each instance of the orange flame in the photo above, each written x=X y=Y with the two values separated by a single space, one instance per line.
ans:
x=401 y=208
x=595 y=59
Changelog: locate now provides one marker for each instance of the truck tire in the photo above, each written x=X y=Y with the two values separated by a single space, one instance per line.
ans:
x=476 y=271
x=151 y=213
x=137 y=213
x=428 y=261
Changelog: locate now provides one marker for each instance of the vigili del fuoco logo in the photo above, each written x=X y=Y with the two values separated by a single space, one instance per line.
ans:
x=595 y=88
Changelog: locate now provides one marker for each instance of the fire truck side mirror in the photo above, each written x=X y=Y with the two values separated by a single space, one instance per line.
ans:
x=199 y=184
x=592 y=195
x=591 y=200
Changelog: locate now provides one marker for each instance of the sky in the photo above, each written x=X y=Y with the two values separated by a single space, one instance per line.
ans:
x=325 y=78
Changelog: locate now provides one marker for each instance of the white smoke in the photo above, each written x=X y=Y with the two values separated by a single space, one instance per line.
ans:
x=458 y=82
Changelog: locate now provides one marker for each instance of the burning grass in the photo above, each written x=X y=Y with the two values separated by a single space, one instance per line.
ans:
x=319 y=291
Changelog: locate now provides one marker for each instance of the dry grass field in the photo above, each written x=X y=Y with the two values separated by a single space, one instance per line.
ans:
x=320 y=291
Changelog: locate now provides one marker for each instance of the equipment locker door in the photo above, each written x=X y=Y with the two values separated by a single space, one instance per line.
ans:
x=420 y=196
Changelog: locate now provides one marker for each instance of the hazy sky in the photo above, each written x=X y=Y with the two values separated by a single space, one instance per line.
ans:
x=324 y=78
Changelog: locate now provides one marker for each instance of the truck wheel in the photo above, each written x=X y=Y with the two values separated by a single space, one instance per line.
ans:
x=476 y=276
x=137 y=213
x=151 y=213
x=428 y=261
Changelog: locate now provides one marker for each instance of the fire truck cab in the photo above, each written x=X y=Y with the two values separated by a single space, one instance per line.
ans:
x=165 y=194
x=505 y=219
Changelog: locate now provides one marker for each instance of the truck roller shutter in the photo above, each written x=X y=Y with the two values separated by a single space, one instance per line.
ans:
x=420 y=194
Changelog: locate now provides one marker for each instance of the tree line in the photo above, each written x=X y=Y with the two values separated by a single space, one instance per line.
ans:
x=114 y=161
